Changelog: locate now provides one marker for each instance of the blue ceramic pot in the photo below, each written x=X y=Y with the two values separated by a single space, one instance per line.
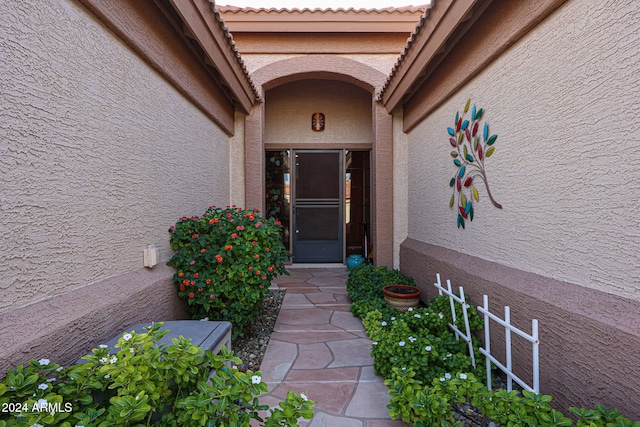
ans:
x=354 y=260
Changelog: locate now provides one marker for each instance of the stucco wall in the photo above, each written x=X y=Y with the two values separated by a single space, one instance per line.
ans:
x=99 y=155
x=383 y=62
x=563 y=104
x=347 y=110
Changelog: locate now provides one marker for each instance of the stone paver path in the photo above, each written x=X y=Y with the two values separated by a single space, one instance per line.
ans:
x=320 y=349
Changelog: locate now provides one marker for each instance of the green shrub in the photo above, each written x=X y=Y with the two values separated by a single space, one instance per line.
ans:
x=428 y=371
x=365 y=284
x=142 y=384
x=225 y=261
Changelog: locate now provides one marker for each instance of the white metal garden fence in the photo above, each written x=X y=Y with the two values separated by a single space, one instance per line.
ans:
x=507 y=368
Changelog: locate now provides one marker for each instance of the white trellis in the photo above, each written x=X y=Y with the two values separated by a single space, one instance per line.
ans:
x=533 y=338
x=462 y=301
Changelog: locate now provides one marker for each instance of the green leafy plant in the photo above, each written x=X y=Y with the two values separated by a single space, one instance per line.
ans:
x=429 y=372
x=364 y=286
x=142 y=383
x=225 y=261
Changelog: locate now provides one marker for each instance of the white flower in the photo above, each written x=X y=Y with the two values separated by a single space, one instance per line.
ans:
x=428 y=348
x=44 y=362
x=51 y=380
x=127 y=336
x=131 y=350
x=107 y=376
x=412 y=339
x=256 y=379
x=79 y=425
x=374 y=343
x=42 y=404
x=417 y=316
x=463 y=376
x=447 y=376
x=59 y=369
x=103 y=360
x=102 y=346
x=36 y=425
x=43 y=386
x=442 y=380
x=113 y=360
x=404 y=368
x=449 y=355
x=440 y=315
x=410 y=309
x=393 y=318
x=401 y=343
x=234 y=367
x=304 y=397
x=384 y=323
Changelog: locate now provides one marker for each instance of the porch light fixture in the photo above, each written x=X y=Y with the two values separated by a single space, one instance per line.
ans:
x=317 y=122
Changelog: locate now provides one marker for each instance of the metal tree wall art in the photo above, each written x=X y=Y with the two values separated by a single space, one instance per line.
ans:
x=471 y=148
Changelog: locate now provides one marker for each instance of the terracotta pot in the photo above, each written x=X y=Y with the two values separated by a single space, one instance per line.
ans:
x=401 y=297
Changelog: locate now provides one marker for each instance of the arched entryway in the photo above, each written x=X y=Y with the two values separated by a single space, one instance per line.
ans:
x=343 y=91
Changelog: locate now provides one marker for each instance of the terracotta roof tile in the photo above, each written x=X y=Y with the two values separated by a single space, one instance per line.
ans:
x=407 y=47
x=232 y=45
x=403 y=9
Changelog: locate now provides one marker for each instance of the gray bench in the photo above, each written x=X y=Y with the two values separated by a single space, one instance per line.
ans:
x=209 y=335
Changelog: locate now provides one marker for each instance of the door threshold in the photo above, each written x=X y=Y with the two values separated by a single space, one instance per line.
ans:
x=318 y=265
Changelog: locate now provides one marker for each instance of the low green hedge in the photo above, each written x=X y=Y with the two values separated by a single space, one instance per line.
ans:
x=429 y=371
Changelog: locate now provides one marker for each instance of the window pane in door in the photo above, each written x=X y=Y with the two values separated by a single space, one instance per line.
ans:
x=318 y=175
x=318 y=223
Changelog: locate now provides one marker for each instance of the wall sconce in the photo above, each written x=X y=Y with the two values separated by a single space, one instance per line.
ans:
x=317 y=121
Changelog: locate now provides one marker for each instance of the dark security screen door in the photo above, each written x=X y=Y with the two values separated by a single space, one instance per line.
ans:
x=317 y=206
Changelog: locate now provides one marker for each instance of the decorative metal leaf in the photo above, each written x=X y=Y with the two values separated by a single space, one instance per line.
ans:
x=459 y=124
x=463 y=201
x=451 y=131
x=490 y=151
x=474 y=130
x=451 y=201
x=454 y=154
x=492 y=139
x=457 y=162
x=473 y=112
x=464 y=150
x=467 y=134
x=480 y=152
x=475 y=142
x=486 y=132
x=468 y=181
x=479 y=114
x=462 y=171
x=452 y=181
x=469 y=158
x=467 y=208
x=462 y=212
x=471 y=213
x=457 y=117
x=458 y=185
x=453 y=142
x=466 y=107
x=474 y=190
x=465 y=124
x=460 y=221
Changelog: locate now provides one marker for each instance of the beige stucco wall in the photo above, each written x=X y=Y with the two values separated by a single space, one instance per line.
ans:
x=382 y=62
x=563 y=102
x=99 y=155
x=400 y=183
x=347 y=110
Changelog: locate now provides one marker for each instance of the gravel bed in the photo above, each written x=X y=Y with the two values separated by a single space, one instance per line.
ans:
x=252 y=346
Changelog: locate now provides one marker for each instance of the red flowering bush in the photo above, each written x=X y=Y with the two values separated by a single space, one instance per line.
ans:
x=225 y=261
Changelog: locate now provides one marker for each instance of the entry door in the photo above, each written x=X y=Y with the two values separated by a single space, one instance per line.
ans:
x=317 y=206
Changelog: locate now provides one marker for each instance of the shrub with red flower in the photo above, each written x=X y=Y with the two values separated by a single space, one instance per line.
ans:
x=222 y=287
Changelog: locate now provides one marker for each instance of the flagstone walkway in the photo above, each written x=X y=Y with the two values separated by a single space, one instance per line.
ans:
x=318 y=348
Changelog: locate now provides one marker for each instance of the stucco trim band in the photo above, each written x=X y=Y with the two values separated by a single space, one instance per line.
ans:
x=74 y=323
x=582 y=330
